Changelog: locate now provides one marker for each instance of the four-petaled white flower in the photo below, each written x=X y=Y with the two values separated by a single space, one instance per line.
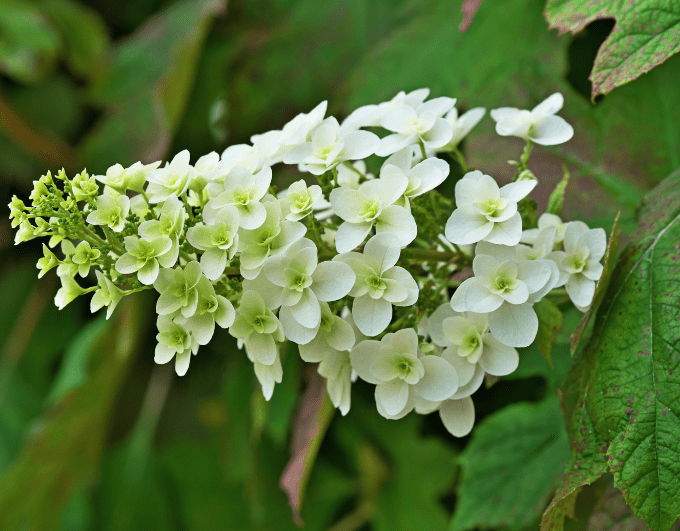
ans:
x=174 y=341
x=579 y=263
x=539 y=125
x=329 y=146
x=170 y=223
x=244 y=191
x=258 y=327
x=423 y=177
x=111 y=212
x=269 y=239
x=372 y=205
x=544 y=221
x=299 y=200
x=333 y=335
x=337 y=369
x=218 y=240
x=296 y=281
x=379 y=283
x=461 y=125
x=411 y=126
x=275 y=144
x=124 y=179
x=172 y=179
x=108 y=295
x=83 y=257
x=179 y=289
x=145 y=257
x=468 y=343
x=401 y=371
x=371 y=115
x=485 y=211
x=503 y=290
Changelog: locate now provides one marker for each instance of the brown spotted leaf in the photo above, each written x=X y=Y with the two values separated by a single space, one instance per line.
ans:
x=647 y=32
x=628 y=381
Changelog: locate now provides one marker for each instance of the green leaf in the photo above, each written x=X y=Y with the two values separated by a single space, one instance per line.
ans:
x=403 y=474
x=511 y=466
x=85 y=36
x=29 y=44
x=549 y=324
x=647 y=32
x=62 y=455
x=602 y=283
x=556 y=199
x=146 y=88
x=629 y=384
x=73 y=372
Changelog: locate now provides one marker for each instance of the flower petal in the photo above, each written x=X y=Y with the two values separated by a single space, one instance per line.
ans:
x=458 y=416
x=332 y=280
x=351 y=235
x=498 y=359
x=371 y=316
x=514 y=325
x=392 y=395
x=361 y=357
x=440 y=380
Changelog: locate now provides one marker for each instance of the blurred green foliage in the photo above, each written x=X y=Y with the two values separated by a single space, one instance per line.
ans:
x=93 y=436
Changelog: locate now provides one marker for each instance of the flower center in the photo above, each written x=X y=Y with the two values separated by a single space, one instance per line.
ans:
x=371 y=210
x=502 y=283
x=577 y=263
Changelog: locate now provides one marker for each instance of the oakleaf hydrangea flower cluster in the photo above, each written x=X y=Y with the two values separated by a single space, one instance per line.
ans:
x=354 y=261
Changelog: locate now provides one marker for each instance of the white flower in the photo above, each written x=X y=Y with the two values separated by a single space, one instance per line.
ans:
x=462 y=125
x=579 y=263
x=544 y=221
x=333 y=335
x=108 y=295
x=170 y=224
x=457 y=414
x=268 y=375
x=331 y=145
x=486 y=212
x=469 y=342
x=245 y=155
x=111 y=212
x=275 y=144
x=172 y=179
x=47 y=262
x=401 y=372
x=423 y=177
x=372 y=205
x=371 y=115
x=269 y=239
x=299 y=200
x=503 y=290
x=144 y=257
x=174 y=341
x=295 y=281
x=84 y=187
x=349 y=178
x=83 y=257
x=203 y=171
x=210 y=309
x=379 y=283
x=179 y=289
x=539 y=124
x=244 y=191
x=410 y=126
x=123 y=179
x=218 y=241
x=69 y=290
x=258 y=327
x=337 y=370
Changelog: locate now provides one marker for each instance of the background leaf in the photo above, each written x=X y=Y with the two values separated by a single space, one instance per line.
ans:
x=646 y=33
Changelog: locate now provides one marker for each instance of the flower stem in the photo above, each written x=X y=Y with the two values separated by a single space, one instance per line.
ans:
x=461 y=160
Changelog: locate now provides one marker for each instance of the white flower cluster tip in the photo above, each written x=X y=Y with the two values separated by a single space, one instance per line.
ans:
x=352 y=267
